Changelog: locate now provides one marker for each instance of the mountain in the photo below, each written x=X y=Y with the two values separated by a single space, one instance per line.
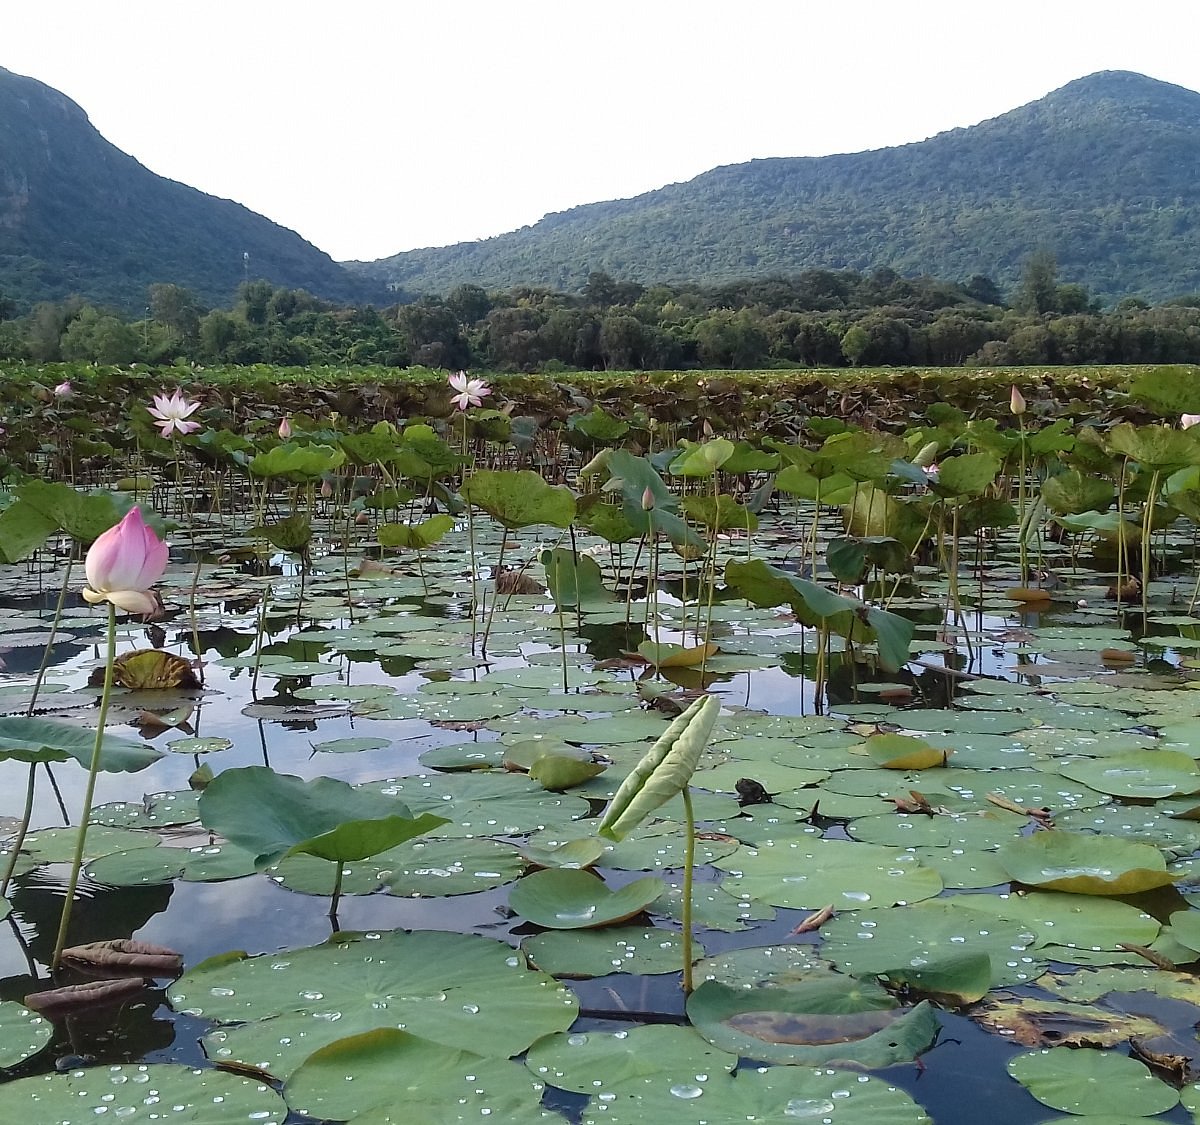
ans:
x=1101 y=172
x=77 y=215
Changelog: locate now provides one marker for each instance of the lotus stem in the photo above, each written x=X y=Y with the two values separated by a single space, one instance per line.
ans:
x=58 y=612
x=335 y=898
x=19 y=840
x=689 y=863
x=1147 y=531
x=1024 y=550
x=89 y=790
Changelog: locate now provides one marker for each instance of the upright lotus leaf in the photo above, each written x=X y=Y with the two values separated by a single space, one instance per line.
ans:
x=1155 y=447
x=835 y=487
x=1056 y=438
x=746 y=458
x=416 y=536
x=519 y=498
x=83 y=516
x=631 y=476
x=723 y=513
x=861 y=456
x=871 y=512
x=966 y=476
x=1072 y=492
x=702 y=459
x=665 y=770
x=598 y=426
x=275 y=815
x=297 y=463
x=1171 y=390
x=574 y=580
x=292 y=533
x=23 y=530
x=768 y=586
x=49 y=740
x=595 y=514
x=848 y=558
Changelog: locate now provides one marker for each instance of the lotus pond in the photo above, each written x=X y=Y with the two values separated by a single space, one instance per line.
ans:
x=946 y=824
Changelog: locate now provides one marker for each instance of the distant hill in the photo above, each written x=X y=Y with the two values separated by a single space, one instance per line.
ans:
x=77 y=215
x=1102 y=172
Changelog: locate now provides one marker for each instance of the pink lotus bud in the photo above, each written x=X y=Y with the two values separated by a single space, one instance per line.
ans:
x=326 y=489
x=285 y=429
x=64 y=390
x=1016 y=402
x=123 y=564
x=648 y=499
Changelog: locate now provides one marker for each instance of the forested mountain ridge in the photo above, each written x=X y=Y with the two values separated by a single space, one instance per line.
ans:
x=1101 y=173
x=79 y=216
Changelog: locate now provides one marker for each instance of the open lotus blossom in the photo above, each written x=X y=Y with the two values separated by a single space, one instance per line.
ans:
x=471 y=392
x=123 y=564
x=173 y=412
x=1187 y=421
x=64 y=389
x=285 y=429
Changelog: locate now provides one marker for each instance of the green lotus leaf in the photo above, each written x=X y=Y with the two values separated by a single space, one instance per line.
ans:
x=969 y=475
x=823 y=1021
x=595 y=1062
x=1083 y=1081
x=902 y=752
x=720 y=514
x=566 y=899
x=298 y=463
x=460 y=990
x=1148 y=774
x=275 y=815
x=665 y=770
x=49 y=740
x=557 y=772
x=701 y=459
x=1155 y=447
x=586 y=852
x=192 y=1096
x=519 y=498
x=416 y=536
x=578 y=954
x=1081 y=863
x=1072 y=492
x=435 y=868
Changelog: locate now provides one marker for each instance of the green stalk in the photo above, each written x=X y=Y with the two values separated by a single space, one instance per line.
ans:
x=58 y=612
x=1024 y=550
x=89 y=790
x=1147 y=530
x=689 y=863
x=19 y=840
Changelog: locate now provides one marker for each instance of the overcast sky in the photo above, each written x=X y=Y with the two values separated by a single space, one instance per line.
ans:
x=377 y=127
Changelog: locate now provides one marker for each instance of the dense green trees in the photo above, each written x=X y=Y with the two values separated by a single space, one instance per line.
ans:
x=819 y=318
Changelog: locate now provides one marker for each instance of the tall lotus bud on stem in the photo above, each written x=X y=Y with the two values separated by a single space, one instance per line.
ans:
x=648 y=499
x=1016 y=402
x=123 y=564
x=326 y=490
x=285 y=429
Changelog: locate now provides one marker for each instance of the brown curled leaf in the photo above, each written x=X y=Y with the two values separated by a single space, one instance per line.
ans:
x=1150 y=955
x=57 y=1002
x=123 y=957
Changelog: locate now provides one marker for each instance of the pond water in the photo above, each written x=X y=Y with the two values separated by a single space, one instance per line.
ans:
x=373 y=671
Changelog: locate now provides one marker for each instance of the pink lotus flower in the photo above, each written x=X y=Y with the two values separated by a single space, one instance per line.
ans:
x=1016 y=402
x=173 y=412
x=1187 y=421
x=471 y=392
x=64 y=389
x=285 y=429
x=123 y=564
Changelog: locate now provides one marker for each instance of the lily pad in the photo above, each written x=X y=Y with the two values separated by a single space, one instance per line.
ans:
x=613 y=949
x=826 y=1019
x=459 y=990
x=1086 y=1081
x=131 y=1092
x=1084 y=864
x=22 y=1033
x=564 y=899
x=447 y=867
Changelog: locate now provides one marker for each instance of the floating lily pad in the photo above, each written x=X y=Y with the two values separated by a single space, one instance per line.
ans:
x=351 y=745
x=448 y=867
x=459 y=990
x=808 y=873
x=613 y=949
x=1148 y=774
x=199 y=745
x=130 y=1092
x=1086 y=1081
x=1085 y=864
x=564 y=899
x=826 y=1019
x=22 y=1033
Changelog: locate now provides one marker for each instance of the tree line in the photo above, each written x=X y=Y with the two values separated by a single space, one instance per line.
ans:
x=818 y=318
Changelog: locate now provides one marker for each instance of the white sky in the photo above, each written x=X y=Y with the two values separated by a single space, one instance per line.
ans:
x=372 y=126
